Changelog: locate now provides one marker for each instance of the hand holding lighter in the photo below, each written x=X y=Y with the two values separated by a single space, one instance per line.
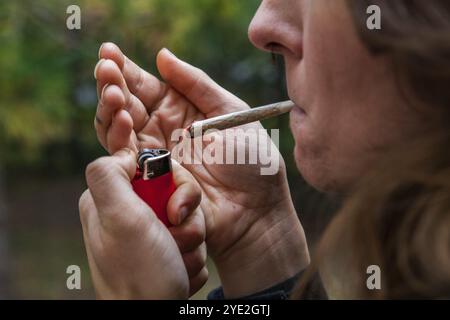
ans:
x=154 y=181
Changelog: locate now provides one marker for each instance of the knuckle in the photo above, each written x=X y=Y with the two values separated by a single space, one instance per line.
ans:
x=202 y=75
x=97 y=170
x=126 y=222
x=140 y=81
x=190 y=198
x=194 y=262
x=196 y=233
x=191 y=191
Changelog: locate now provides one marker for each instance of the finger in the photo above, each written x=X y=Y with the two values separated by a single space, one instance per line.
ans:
x=183 y=202
x=197 y=86
x=198 y=281
x=104 y=73
x=195 y=260
x=112 y=100
x=111 y=174
x=119 y=207
x=186 y=197
x=191 y=233
x=109 y=73
x=142 y=84
x=120 y=134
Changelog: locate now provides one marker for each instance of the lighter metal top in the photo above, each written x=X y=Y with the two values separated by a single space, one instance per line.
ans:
x=154 y=163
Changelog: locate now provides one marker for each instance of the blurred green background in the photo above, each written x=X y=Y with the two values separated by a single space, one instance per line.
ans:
x=47 y=106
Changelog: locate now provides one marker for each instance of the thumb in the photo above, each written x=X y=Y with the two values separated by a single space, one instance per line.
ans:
x=108 y=179
x=186 y=197
x=210 y=98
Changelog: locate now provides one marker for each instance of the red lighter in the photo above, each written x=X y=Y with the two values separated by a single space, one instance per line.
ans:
x=154 y=181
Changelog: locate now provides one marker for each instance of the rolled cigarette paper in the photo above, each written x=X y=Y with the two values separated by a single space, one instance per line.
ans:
x=234 y=119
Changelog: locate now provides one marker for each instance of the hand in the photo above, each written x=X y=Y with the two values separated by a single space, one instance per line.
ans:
x=131 y=254
x=250 y=219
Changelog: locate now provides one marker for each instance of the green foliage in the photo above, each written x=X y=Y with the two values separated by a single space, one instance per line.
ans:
x=47 y=91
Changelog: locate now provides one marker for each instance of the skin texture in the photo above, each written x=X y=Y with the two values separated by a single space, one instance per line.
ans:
x=131 y=254
x=352 y=108
x=350 y=112
x=250 y=219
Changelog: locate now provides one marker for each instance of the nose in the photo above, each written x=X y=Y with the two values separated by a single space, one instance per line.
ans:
x=275 y=28
x=259 y=31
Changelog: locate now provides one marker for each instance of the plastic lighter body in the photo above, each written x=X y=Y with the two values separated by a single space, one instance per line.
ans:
x=154 y=181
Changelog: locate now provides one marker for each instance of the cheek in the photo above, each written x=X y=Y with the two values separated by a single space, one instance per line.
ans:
x=354 y=112
x=330 y=84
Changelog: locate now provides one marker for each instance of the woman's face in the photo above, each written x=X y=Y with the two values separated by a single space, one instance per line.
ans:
x=350 y=107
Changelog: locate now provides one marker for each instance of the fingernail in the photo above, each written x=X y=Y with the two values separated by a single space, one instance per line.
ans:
x=184 y=211
x=100 y=50
x=96 y=67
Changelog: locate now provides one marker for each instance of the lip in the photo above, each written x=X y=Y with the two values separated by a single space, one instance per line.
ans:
x=297 y=118
x=299 y=110
x=296 y=102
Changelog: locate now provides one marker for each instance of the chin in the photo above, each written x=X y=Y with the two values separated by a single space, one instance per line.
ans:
x=318 y=175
